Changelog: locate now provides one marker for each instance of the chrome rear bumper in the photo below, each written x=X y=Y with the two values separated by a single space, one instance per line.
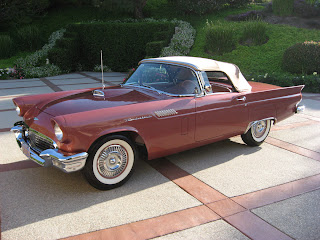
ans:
x=300 y=108
x=49 y=157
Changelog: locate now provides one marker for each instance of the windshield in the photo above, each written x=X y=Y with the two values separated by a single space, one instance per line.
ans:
x=166 y=78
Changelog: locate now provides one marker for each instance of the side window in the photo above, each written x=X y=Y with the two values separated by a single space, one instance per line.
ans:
x=219 y=81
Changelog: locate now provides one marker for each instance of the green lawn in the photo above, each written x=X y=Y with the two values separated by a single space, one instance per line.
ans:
x=254 y=59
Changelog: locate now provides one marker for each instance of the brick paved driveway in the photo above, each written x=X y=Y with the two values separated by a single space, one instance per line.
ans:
x=224 y=190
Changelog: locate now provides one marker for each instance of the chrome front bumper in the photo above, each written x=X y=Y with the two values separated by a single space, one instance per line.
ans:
x=49 y=157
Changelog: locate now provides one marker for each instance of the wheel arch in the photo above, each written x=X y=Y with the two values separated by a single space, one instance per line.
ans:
x=131 y=133
x=273 y=119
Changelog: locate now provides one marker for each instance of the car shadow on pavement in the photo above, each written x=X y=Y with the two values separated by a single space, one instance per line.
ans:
x=34 y=195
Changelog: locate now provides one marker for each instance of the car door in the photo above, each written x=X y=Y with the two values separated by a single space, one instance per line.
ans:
x=221 y=115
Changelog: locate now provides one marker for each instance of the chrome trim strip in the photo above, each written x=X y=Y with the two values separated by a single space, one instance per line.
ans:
x=50 y=157
x=165 y=113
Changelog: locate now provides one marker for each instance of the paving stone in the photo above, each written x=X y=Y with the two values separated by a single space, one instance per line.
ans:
x=298 y=217
x=17 y=84
x=72 y=81
x=24 y=91
x=306 y=136
x=66 y=76
x=234 y=168
x=45 y=203
x=8 y=118
x=214 y=230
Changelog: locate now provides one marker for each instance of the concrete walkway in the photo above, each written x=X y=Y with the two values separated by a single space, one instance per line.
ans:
x=224 y=190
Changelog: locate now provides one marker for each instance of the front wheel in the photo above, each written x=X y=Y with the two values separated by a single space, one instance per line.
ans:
x=257 y=133
x=110 y=162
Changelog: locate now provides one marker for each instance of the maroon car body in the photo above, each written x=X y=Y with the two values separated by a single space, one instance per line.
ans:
x=155 y=116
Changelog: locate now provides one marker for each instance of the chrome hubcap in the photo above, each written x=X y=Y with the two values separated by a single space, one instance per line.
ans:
x=259 y=129
x=112 y=161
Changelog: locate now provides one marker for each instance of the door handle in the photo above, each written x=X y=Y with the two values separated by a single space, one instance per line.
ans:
x=241 y=98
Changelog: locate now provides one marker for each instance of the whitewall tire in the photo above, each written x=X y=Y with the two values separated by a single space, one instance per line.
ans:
x=110 y=162
x=257 y=133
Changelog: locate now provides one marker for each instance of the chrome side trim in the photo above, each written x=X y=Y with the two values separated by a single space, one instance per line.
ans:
x=254 y=122
x=49 y=157
x=166 y=113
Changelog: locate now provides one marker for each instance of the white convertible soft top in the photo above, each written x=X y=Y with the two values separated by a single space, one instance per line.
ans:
x=204 y=64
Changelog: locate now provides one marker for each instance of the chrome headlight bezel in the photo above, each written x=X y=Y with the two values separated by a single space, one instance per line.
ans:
x=58 y=132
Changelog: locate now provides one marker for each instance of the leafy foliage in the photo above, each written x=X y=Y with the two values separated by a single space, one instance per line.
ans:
x=7 y=46
x=16 y=10
x=200 y=7
x=220 y=38
x=311 y=82
x=28 y=38
x=302 y=58
x=282 y=7
x=127 y=6
x=307 y=9
x=182 y=40
x=254 y=33
x=123 y=44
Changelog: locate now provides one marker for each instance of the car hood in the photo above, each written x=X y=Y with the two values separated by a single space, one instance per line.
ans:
x=86 y=101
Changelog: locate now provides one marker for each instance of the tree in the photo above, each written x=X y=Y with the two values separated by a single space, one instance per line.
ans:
x=129 y=6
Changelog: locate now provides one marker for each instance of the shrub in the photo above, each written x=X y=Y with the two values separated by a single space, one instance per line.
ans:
x=247 y=16
x=66 y=52
x=311 y=82
x=33 y=64
x=238 y=3
x=302 y=58
x=7 y=46
x=182 y=40
x=306 y=9
x=28 y=38
x=199 y=7
x=220 y=39
x=282 y=7
x=153 y=49
x=16 y=10
x=254 y=33
x=123 y=44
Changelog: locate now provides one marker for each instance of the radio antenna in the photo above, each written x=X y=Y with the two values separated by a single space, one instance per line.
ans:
x=103 y=86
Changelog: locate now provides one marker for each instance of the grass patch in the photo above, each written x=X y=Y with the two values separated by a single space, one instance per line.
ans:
x=262 y=59
x=220 y=38
x=254 y=33
x=9 y=62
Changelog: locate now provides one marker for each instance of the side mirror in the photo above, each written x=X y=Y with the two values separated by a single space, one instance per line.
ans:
x=208 y=88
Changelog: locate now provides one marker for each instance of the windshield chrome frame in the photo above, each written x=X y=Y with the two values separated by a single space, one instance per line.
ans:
x=197 y=73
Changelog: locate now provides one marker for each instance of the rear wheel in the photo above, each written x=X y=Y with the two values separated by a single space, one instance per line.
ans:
x=257 y=133
x=110 y=162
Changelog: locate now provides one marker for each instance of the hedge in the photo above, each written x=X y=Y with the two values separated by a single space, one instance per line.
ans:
x=302 y=58
x=123 y=44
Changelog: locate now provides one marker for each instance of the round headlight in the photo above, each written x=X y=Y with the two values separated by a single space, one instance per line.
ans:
x=58 y=132
x=18 y=110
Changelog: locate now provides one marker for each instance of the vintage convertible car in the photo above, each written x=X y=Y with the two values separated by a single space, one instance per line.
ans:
x=166 y=106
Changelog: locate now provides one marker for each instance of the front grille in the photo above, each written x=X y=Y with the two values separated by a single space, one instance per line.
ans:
x=38 y=141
